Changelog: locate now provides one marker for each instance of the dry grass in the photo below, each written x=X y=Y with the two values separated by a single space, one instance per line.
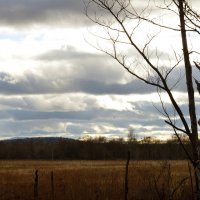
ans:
x=94 y=180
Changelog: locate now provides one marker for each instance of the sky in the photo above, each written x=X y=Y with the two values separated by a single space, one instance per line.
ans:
x=54 y=84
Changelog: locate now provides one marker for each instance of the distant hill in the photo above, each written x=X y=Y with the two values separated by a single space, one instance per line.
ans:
x=37 y=139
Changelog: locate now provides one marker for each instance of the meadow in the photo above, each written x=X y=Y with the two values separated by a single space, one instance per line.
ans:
x=95 y=180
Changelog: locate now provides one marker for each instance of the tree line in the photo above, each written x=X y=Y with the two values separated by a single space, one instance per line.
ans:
x=92 y=149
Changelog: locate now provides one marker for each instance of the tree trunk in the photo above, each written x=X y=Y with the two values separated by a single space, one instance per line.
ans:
x=192 y=111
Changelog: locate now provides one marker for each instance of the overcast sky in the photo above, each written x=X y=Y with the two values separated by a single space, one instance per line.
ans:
x=53 y=83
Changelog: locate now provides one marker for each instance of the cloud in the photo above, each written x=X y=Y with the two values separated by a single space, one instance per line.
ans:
x=30 y=120
x=66 y=90
x=20 y=123
x=33 y=115
x=50 y=103
x=68 y=70
x=82 y=65
x=86 y=67
x=33 y=12
x=95 y=76
x=66 y=53
x=32 y=83
x=95 y=115
x=34 y=128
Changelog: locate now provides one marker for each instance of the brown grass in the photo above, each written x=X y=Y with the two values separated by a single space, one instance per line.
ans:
x=94 y=180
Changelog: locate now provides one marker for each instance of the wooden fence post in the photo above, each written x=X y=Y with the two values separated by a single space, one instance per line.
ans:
x=52 y=186
x=126 y=177
x=36 y=197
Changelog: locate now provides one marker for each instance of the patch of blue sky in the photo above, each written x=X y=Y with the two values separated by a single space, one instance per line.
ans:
x=12 y=36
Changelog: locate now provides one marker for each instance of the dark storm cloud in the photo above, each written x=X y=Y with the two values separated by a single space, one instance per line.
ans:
x=25 y=12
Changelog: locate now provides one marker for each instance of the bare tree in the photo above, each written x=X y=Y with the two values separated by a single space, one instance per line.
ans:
x=145 y=59
x=131 y=135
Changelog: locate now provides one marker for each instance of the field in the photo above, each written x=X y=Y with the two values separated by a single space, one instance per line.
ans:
x=94 y=180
